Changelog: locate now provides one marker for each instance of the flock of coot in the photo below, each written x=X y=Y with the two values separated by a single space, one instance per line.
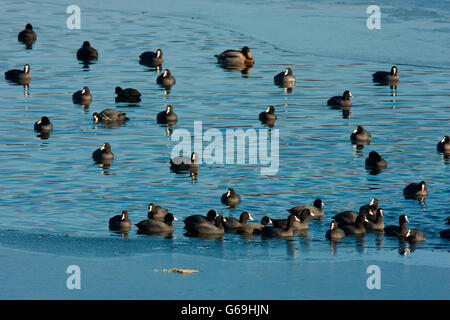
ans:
x=159 y=220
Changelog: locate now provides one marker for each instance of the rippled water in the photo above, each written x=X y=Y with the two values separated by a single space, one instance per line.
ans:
x=51 y=189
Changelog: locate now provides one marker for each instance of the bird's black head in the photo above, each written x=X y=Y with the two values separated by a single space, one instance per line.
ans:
x=245 y=216
x=270 y=109
x=347 y=95
x=359 y=129
x=45 y=120
x=360 y=219
x=230 y=192
x=246 y=52
x=211 y=215
x=318 y=203
x=265 y=220
x=28 y=27
x=374 y=156
x=394 y=70
x=106 y=147
x=168 y=218
x=288 y=72
x=402 y=219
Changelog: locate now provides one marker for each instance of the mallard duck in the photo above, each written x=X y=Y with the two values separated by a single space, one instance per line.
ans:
x=235 y=57
x=109 y=115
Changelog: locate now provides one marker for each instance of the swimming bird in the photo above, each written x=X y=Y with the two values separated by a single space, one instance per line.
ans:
x=167 y=116
x=414 y=235
x=232 y=224
x=151 y=58
x=120 y=222
x=445 y=234
x=82 y=96
x=349 y=217
x=234 y=57
x=43 y=125
x=385 y=76
x=156 y=212
x=127 y=95
x=374 y=160
x=230 y=198
x=300 y=224
x=416 y=190
x=165 y=79
x=399 y=231
x=444 y=145
x=268 y=117
x=207 y=228
x=343 y=100
x=254 y=228
x=109 y=116
x=27 y=36
x=154 y=226
x=185 y=163
x=317 y=209
x=19 y=76
x=373 y=206
x=285 y=79
x=377 y=224
x=103 y=154
x=360 y=135
x=403 y=233
x=356 y=228
x=288 y=231
x=87 y=53
x=196 y=219
x=334 y=233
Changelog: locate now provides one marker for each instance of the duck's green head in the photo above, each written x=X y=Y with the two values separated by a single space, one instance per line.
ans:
x=246 y=52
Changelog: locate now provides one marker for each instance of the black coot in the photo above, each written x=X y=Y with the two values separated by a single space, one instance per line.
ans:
x=120 y=222
x=343 y=100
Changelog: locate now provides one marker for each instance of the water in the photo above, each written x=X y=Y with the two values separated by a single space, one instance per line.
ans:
x=54 y=199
